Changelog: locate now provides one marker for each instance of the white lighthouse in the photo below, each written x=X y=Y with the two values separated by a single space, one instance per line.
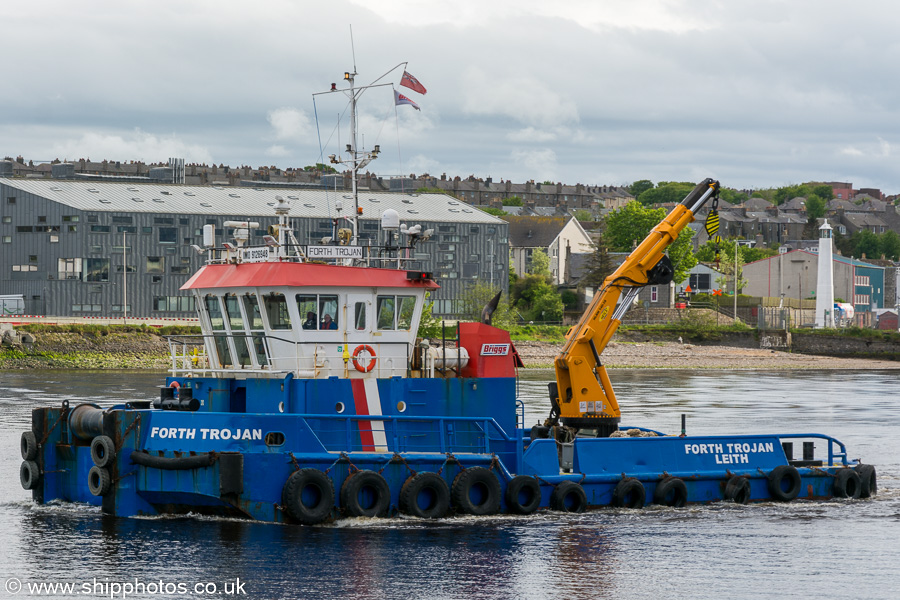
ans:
x=825 y=280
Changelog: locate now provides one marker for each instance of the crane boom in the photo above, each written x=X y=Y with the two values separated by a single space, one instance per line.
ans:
x=583 y=397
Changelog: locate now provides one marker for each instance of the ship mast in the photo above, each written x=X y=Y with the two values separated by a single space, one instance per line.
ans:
x=356 y=159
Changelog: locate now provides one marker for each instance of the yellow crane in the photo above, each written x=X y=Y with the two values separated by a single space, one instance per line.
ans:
x=583 y=396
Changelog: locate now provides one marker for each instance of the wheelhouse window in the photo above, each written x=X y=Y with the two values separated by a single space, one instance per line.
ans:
x=217 y=323
x=277 y=311
x=255 y=323
x=395 y=312
x=236 y=324
x=318 y=311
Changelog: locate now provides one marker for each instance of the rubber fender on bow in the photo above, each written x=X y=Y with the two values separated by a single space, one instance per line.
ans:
x=523 y=495
x=425 y=495
x=629 y=493
x=737 y=490
x=671 y=491
x=366 y=494
x=784 y=483
x=568 y=496
x=181 y=463
x=847 y=484
x=103 y=450
x=308 y=496
x=868 y=481
x=476 y=491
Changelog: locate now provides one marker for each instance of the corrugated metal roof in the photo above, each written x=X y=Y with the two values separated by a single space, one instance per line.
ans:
x=101 y=196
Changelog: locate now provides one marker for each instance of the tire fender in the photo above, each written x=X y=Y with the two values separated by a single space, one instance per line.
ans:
x=784 y=483
x=868 y=481
x=737 y=490
x=425 y=495
x=847 y=484
x=103 y=450
x=99 y=481
x=29 y=446
x=29 y=474
x=568 y=496
x=365 y=494
x=476 y=491
x=523 y=495
x=308 y=496
x=629 y=493
x=671 y=491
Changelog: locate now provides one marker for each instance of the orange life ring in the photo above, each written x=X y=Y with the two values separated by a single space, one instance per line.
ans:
x=372 y=358
x=177 y=387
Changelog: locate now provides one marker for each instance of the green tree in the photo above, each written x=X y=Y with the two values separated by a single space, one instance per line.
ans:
x=727 y=266
x=600 y=265
x=476 y=296
x=783 y=194
x=666 y=191
x=429 y=325
x=540 y=263
x=732 y=196
x=865 y=242
x=583 y=215
x=815 y=207
x=512 y=201
x=497 y=212
x=628 y=226
x=826 y=192
x=889 y=244
x=707 y=253
x=639 y=187
x=547 y=306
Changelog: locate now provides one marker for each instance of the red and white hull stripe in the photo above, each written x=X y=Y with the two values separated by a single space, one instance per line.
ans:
x=368 y=402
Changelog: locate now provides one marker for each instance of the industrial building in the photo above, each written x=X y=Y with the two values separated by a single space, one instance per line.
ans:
x=100 y=248
x=794 y=274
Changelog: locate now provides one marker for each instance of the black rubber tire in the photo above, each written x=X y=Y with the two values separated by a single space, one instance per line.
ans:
x=29 y=474
x=308 y=496
x=784 y=483
x=103 y=450
x=425 y=495
x=737 y=490
x=99 y=481
x=523 y=495
x=365 y=494
x=629 y=493
x=476 y=491
x=868 y=481
x=847 y=484
x=29 y=446
x=569 y=497
x=671 y=491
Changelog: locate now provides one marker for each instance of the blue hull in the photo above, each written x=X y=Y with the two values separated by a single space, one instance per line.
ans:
x=236 y=454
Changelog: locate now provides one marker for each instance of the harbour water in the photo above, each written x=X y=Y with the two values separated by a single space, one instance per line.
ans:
x=837 y=549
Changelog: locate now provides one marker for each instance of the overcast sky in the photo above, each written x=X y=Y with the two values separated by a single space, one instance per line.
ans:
x=755 y=93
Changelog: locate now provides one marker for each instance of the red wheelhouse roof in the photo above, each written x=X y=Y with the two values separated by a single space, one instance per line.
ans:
x=274 y=274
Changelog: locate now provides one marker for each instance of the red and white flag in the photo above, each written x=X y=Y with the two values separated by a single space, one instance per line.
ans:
x=412 y=83
x=401 y=99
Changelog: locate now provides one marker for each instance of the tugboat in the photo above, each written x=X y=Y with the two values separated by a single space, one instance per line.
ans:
x=309 y=397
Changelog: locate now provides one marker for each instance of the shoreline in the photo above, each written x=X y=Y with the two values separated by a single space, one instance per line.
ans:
x=149 y=352
x=674 y=355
